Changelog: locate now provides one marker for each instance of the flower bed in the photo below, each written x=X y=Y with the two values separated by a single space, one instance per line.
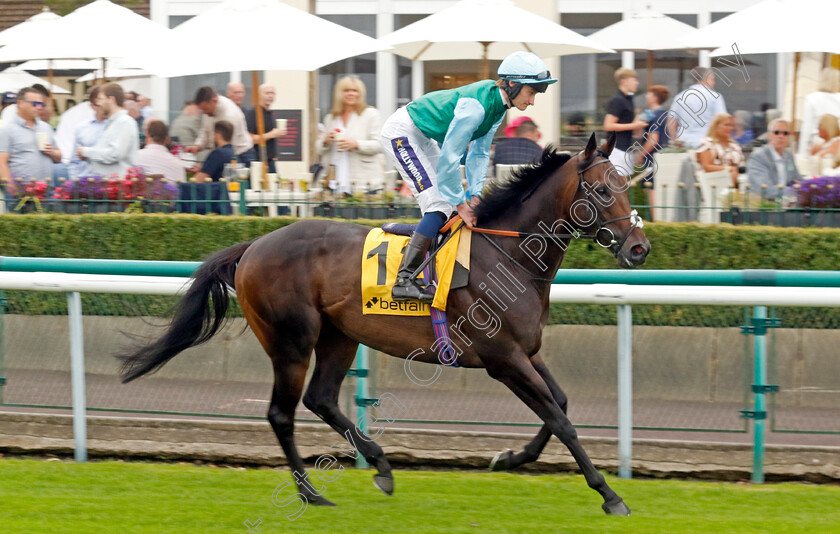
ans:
x=822 y=192
x=135 y=191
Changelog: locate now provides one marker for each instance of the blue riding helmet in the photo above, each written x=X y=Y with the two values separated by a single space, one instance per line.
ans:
x=524 y=68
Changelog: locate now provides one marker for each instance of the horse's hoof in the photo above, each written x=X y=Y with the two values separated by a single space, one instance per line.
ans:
x=501 y=462
x=318 y=500
x=616 y=508
x=384 y=483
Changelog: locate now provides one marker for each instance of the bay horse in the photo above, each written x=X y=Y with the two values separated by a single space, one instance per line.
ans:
x=299 y=288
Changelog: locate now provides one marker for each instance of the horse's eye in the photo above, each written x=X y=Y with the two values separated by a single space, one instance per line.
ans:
x=603 y=191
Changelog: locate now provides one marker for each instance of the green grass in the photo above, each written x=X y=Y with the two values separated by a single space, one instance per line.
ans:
x=64 y=497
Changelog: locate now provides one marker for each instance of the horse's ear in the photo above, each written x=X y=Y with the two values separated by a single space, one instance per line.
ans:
x=609 y=144
x=590 y=148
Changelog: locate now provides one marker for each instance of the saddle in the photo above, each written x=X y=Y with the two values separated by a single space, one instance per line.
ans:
x=460 y=275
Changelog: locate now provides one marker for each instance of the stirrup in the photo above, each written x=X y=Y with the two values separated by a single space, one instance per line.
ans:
x=410 y=289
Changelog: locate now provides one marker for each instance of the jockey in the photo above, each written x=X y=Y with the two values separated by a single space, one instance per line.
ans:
x=426 y=139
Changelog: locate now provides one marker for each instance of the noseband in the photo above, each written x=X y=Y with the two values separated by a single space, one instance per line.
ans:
x=603 y=235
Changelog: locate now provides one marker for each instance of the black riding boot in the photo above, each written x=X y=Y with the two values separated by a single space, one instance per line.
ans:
x=406 y=287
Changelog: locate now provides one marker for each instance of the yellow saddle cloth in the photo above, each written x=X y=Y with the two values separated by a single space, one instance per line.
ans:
x=381 y=257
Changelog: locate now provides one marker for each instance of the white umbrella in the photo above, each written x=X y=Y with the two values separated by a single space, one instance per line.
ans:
x=98 y=30
x=59 y=64
x=113 y=68
x=114 y=73
x=30 y=27
x=486 y=29
x=255 y=35
x=12 y=79
x=92 y=66
x=808 y=26
x=648 y=31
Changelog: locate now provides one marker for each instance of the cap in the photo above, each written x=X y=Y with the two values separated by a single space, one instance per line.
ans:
x=9 y=97
x=510 y=129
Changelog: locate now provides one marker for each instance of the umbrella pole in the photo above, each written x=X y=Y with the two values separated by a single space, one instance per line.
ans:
x=255 y=99
x=50 y=79
x=649 y=68
x=485 y=64
x=794 y=126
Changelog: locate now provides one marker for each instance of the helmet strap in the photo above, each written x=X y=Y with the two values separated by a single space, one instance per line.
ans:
x=511 y=91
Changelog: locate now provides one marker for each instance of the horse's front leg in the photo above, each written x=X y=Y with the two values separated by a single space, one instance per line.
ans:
x=520 y=376
x=507 y=460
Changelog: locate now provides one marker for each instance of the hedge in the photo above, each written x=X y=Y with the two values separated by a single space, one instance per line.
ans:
x=674 y=246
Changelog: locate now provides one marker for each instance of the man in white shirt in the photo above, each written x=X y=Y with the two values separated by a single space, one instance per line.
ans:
x=116 y=150
x=217 y=108
x=695 y=107
x=773 y=164
x=155 y=157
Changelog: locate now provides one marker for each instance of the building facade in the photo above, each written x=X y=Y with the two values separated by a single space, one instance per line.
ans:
x=575 y=105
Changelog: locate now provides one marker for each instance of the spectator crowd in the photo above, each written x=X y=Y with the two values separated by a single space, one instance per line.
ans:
x=114 y=130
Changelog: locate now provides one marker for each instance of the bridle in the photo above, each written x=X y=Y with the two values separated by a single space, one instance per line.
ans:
x=603 y=236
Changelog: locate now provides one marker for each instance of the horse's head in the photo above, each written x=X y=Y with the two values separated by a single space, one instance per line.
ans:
x=601 y=207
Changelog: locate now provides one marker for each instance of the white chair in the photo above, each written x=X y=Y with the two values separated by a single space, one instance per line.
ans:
x=713 y=188
x=807 y=165
x=665 y=184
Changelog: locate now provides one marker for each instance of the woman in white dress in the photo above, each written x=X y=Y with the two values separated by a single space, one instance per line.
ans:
x=718 y=151
x=350 y=139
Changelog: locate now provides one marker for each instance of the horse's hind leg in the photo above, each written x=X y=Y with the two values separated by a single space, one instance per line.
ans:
x=290 y=350
x=507 y=460
x=334 y=353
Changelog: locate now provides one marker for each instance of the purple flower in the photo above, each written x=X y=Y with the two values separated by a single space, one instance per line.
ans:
x=821 y=192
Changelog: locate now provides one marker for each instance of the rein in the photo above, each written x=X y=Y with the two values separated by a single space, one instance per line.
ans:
x=603 y=236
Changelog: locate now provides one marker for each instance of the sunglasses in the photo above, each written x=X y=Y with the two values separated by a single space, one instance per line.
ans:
x=35 y=103
x=781 y=132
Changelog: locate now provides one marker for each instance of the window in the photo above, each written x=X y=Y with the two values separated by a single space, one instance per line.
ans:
x=362 y=66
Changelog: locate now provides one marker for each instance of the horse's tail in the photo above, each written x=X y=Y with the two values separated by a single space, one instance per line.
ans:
x=195 y=321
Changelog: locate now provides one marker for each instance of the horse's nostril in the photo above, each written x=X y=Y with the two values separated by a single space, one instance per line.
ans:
x=638 y=250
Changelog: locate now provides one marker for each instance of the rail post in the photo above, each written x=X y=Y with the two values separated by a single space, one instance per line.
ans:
x=77 y=374
x=625 y=391
x=758 y=329
x=363 y=400
x=2 y=344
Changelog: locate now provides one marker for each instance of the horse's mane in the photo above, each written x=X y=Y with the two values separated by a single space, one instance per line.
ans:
x=498 y=197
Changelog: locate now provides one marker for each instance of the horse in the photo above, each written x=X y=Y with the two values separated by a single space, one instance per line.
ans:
x=299 y=290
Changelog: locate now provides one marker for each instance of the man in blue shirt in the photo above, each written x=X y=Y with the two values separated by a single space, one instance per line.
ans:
x=426 y=140
x=87 y=134
x=214 y=165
